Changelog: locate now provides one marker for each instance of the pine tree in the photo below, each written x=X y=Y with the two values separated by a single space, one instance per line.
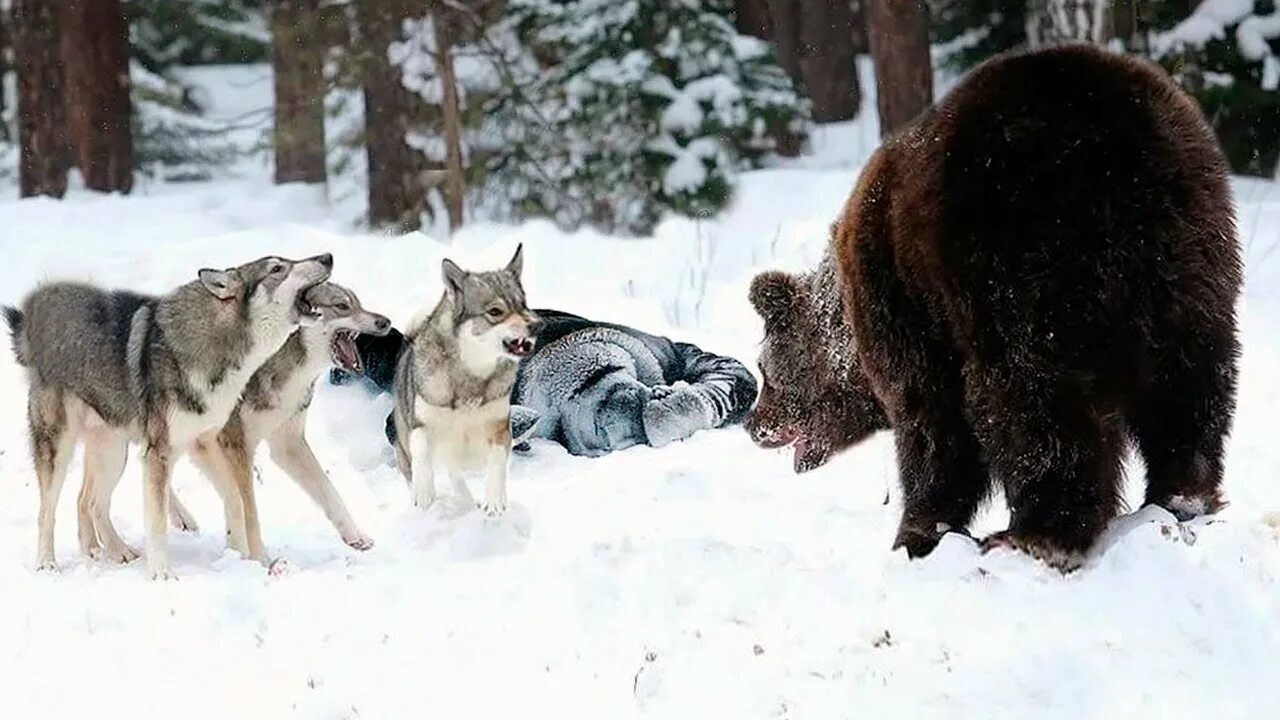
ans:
x=973 y=30
x=1229 y=62
x=644 y=107
x=171 y=138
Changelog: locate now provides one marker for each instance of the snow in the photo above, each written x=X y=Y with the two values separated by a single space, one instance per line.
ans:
x=702 y=580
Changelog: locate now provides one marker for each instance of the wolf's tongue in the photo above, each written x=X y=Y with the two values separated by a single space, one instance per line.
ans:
x=344 y=351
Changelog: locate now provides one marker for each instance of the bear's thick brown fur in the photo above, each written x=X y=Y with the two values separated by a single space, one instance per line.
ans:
x=1042 y=268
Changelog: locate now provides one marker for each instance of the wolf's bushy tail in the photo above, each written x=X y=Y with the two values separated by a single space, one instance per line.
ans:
x=14 y=318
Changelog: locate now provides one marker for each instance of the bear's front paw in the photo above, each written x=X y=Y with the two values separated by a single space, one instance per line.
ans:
x=1040 y=547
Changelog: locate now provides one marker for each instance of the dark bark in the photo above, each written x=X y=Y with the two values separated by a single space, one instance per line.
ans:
x=451 y=117
x=827 y=60
x=397 y=192
x=297 y=59
x=42 y=121
x=95 y=53
x=784 y=21
x=899 y=34
x=751 y=17
x=858 y=11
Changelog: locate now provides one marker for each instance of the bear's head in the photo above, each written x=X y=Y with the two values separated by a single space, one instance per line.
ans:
x=813 y=395
x=794 y=371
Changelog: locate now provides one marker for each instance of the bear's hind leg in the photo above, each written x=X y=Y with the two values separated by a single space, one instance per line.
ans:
x=1181 y=425
x=1057 y=456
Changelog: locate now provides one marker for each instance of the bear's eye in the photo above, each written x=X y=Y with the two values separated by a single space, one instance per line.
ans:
x=277 y=269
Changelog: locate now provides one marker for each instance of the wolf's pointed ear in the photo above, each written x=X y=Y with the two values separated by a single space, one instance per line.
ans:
x=773 y=294
x=516 y=266
x=222 y=284
x=453 y=275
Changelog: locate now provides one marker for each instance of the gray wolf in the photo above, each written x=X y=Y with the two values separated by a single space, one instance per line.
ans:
x=111 y=367
x=597 y=387
x=453 y=383
x=1032 y=282
x=273 y=409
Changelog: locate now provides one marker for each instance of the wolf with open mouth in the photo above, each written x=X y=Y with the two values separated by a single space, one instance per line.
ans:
x=453 y=382
x=273 y=410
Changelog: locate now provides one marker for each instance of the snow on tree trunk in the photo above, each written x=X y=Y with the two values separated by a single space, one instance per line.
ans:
x=1053 y=21
x=397 y=191
x=899 y=35
x=42 y=124
x=298 y=67
x=451 y=117
x=95 y=53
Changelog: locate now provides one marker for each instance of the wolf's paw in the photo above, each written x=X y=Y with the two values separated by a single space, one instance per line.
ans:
x=493 y=507
x=423 y=500
x=160 y=570
x=47 y=566
x=120 y=555
x=186 y=524
x=279 y=566
x=1044 y=549
x=358 y=540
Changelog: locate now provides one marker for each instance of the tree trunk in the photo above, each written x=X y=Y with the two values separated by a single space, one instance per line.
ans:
x=858 y=11
x=42 y=120
x=827 y=60
x=297 y=59
x=451 y=115
x=751 y=17
x=784 y=21
x=397 y=192
x=4 y=70
x=95 y=53
x=1054 y=21
x=899 y=34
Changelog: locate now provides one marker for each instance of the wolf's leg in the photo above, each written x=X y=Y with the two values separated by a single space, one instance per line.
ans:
x=495 y=486
x=424 y=479
x=212 y=458
x=52 y=443
x=109 y=454
x=88 y=534
x=289 y=450
x=155 y=502
x=179 y=516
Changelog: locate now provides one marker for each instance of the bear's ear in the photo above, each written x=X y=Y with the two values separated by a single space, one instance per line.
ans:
x=774 y=294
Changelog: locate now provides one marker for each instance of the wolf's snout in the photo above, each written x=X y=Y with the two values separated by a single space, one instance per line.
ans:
x=325 y=260
x=381 y=325
x=521 y=347
x=535 y=325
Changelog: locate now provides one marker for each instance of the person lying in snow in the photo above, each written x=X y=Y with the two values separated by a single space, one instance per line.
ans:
x=596 y=387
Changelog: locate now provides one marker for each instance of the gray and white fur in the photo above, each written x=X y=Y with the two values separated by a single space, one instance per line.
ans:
x=111 y=368
x=273 y=409
x=453 y=383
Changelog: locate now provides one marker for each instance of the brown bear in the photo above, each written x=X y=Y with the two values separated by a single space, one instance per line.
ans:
x=1041 y=268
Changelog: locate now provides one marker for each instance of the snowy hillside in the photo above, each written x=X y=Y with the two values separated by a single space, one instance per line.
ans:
x=703 y=580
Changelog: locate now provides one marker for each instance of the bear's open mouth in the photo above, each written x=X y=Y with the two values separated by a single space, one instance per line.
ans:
x=343 y=351
x=518 y=347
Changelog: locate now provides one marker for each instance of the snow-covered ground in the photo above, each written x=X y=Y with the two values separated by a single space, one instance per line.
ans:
x=703 y=580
